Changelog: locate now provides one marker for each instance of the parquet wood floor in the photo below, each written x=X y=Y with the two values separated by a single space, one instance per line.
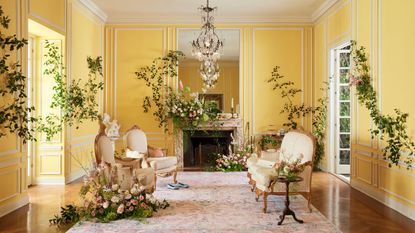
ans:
x=350 y=210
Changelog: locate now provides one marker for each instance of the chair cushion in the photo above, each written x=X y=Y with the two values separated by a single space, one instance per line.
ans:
x=163 y=162
x=263 y=176
x=106 y=149
x=271 y=155
x=251 y=161
x=155 y=152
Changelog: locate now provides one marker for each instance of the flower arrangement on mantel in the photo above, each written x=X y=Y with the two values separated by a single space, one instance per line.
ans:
x=105 y=201
x=392 y=129
x=181 y=106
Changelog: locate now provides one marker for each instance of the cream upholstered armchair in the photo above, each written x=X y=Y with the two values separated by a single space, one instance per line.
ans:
x=295 y=143
x=136 y=140
x=267 y=159
x=104 y=153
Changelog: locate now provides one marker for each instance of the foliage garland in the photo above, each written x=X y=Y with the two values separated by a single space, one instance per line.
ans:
x=393 y=129
x=75 y=101
x=14 y=110
x=295 y=111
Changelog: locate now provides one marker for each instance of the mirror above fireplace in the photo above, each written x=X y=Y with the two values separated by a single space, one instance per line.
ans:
x=226 y=90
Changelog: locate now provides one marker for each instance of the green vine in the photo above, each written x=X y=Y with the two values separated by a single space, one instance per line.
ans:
x=295 y=111
x=14 y=110
x=392 y=129
x=288 y=92
x=75 y=101
x=268 y=140
x=320 y=124
x=154 y=76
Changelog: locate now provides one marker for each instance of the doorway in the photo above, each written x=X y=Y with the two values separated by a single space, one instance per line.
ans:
x=340 y=113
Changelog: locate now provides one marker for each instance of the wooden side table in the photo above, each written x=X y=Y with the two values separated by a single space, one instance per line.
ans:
x=287 y=210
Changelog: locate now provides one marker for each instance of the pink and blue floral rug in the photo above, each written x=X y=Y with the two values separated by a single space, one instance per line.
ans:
x=216 y=202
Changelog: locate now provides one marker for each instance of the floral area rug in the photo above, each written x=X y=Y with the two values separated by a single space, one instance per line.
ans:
x=216 y=202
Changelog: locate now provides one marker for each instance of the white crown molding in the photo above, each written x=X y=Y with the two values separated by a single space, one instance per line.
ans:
x=218 y=20
x=96 y=10
x=322 y=9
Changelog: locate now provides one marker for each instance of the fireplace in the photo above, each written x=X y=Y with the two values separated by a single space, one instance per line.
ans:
x=200 y=146
x=197 y=146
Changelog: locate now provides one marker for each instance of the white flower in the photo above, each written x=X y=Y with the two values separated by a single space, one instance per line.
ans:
x=106 y=204
x=115 y=199
x=128 y=196
x=134 y=191
x=142 y=188
x=120 y=209
x=114 y=187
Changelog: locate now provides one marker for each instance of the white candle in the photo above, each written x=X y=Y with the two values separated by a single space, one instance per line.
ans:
x=232 y=103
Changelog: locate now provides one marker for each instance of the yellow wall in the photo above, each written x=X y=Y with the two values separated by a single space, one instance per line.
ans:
x=86 y=39
x=228 y=82
x=51 y=13
x=13 y=156
x=384 y=28
x=129 y=47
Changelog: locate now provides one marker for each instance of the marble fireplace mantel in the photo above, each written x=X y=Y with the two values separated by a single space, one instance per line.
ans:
x=233 y=124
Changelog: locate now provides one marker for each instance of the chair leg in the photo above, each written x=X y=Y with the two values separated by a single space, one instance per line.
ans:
x=309 y=202
x=155 y=181
x=265 y=202
x=175 y=177
x=253 y=185
x=258 y=193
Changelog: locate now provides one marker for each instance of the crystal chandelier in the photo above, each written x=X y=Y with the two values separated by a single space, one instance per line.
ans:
x=208 y=47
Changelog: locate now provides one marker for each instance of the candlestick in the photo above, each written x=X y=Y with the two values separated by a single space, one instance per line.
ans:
x=232 y=103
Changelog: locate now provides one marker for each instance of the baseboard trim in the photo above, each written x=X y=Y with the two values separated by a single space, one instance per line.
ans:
x=10 y=207
x=382 y=198
x=74 y=176
x=50 y=180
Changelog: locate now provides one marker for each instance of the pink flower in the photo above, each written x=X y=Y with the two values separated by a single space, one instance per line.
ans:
x=86 y=204
x=354 y=81
x=134 y=202
x=181 y=85
x=93 y=213
x=141 y=198
x=131 y=208
x=120 y=209
x=144 y=205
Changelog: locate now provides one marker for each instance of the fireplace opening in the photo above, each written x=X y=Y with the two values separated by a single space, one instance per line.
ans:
x=199 y=147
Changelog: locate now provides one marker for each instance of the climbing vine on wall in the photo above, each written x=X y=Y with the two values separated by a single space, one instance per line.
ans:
x=76 y=101
x=15 y=114
x=392 y=129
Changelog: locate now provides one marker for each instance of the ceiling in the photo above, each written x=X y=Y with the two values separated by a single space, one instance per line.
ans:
x=229 y=11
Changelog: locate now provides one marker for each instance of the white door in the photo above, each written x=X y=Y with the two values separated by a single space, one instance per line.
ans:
x=342 y=111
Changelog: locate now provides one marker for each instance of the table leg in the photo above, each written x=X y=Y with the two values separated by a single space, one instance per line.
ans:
x=287 y=210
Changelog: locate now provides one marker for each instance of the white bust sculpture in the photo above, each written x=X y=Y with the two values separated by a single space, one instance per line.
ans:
x=112 y=128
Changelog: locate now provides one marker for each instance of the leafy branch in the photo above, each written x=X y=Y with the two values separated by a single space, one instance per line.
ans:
x=15 y=114
x=154 y=76
x=393 y=129
x=295 y=111
x=288 y=92
x=75 y=101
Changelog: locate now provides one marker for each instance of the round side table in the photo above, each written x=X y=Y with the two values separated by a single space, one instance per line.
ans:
x=287 y=210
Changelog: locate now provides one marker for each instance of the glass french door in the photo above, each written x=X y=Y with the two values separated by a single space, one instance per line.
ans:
x=342 y=111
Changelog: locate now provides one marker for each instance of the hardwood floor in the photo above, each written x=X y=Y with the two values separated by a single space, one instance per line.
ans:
x=348 y=209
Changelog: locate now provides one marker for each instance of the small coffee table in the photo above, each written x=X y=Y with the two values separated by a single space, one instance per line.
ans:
x=287 y=210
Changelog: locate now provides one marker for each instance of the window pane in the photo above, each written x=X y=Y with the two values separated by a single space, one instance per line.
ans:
x=344 y=141
x=345 y=109
x=344 y=93
x=344 y=76
x=344 y=125
x=344 y=157
x=344 y=60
